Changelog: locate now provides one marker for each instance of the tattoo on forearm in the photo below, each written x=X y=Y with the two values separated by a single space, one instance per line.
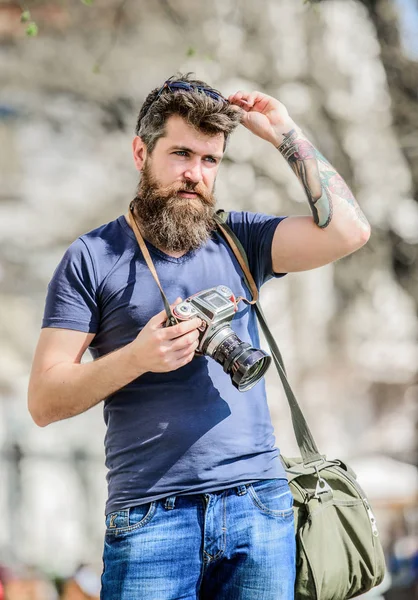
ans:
x=303 y=160
x=319 y=178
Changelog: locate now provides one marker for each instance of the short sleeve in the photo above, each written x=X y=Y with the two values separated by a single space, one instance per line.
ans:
x=255 y=232
x=71 y=301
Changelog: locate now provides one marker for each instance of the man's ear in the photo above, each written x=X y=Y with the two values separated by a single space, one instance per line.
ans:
x=139 y=152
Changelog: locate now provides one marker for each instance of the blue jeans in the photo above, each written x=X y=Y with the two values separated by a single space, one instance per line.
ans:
x=235 y=544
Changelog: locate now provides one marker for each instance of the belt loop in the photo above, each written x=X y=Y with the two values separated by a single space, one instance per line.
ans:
x=241 y=490
x=170 y=502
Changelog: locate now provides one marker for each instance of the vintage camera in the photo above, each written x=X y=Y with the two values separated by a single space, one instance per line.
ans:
x=216 y=307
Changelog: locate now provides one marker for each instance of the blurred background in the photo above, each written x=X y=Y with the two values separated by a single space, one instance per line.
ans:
x=73 y=75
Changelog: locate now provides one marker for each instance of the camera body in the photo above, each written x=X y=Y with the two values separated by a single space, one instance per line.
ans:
x=216 y=307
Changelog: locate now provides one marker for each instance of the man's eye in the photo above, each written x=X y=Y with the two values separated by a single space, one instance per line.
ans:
x=211 y=159
x=181 y=153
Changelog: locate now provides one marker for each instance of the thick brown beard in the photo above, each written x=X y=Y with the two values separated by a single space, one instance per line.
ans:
x=170 y=222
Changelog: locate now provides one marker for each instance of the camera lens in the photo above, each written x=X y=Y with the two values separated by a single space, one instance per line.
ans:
x=245 y=365
x=254 y=372
x=249 y=368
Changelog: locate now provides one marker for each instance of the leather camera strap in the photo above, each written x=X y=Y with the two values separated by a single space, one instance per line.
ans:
x=239 y=254
x=171 y=319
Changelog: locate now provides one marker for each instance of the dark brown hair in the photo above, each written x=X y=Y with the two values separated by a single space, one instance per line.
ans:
x=207 y=114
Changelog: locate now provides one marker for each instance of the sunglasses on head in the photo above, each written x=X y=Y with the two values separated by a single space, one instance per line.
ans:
x=172 y=86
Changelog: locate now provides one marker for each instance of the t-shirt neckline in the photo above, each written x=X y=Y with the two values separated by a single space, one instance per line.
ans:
x=153 y=250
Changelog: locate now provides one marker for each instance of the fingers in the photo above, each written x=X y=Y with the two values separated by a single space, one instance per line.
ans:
x=245 y=100
x=162 y=349
x=184 y=359
x=181 y=328
x=188 y=341
x=159 y=319
x=186 y=351
x=253 y=101
x=170 y=358
x=239 y=99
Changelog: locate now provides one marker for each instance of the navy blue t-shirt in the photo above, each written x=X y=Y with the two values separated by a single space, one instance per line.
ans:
x=190 y=430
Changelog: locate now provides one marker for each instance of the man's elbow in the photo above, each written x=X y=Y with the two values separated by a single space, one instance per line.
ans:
x=38 y=418
x=358 y=238
x=38 y=415
x=41 y=421
x=364 y=235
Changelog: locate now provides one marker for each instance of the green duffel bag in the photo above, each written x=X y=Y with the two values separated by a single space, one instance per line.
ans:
x=339 y=554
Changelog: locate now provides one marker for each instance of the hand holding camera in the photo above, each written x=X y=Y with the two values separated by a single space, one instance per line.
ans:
x=161 y=349
x=203 y=328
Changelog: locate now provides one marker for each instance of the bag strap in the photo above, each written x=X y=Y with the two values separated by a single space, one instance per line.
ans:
x=307 y=446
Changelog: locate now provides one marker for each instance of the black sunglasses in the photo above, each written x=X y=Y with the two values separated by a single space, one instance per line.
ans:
x=172 y=86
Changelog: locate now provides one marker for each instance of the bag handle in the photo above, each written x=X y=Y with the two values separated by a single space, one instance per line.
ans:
x=304 y=437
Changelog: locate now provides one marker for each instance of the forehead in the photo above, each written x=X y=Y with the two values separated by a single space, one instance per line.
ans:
x=179 y=133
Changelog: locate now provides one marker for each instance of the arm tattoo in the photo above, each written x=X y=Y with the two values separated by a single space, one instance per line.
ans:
x=320 y=180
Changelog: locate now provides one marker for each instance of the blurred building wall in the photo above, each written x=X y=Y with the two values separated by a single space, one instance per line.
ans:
x=68 y=103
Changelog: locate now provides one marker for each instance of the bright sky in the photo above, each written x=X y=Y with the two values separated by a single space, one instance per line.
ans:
x=408 y=21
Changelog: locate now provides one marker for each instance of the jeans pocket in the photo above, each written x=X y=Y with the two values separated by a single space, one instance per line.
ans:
x=129 y=519
x=272 y=497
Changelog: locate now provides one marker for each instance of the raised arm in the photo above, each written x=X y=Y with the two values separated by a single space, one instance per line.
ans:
x=337 y=226
x=61 y=386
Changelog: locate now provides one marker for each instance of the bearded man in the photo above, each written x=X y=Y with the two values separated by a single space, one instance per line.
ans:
x=198 y=501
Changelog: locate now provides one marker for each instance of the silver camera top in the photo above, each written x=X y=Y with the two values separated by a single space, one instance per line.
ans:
x=214 y=304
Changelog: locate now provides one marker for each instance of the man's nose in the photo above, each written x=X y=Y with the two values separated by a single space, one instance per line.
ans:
x=194 y=172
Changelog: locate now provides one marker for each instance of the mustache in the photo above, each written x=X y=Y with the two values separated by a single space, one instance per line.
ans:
x=189 y=186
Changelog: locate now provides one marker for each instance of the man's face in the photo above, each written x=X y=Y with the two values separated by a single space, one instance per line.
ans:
x=175 y=202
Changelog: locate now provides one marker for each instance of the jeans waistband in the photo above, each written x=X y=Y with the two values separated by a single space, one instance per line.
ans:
x=240 y=490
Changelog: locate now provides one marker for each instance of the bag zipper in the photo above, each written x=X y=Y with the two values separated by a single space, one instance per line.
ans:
x=371 y=517
x=357 y=489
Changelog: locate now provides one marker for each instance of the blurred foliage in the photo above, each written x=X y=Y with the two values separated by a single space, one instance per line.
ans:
x=32 y=27
x=347 y=330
